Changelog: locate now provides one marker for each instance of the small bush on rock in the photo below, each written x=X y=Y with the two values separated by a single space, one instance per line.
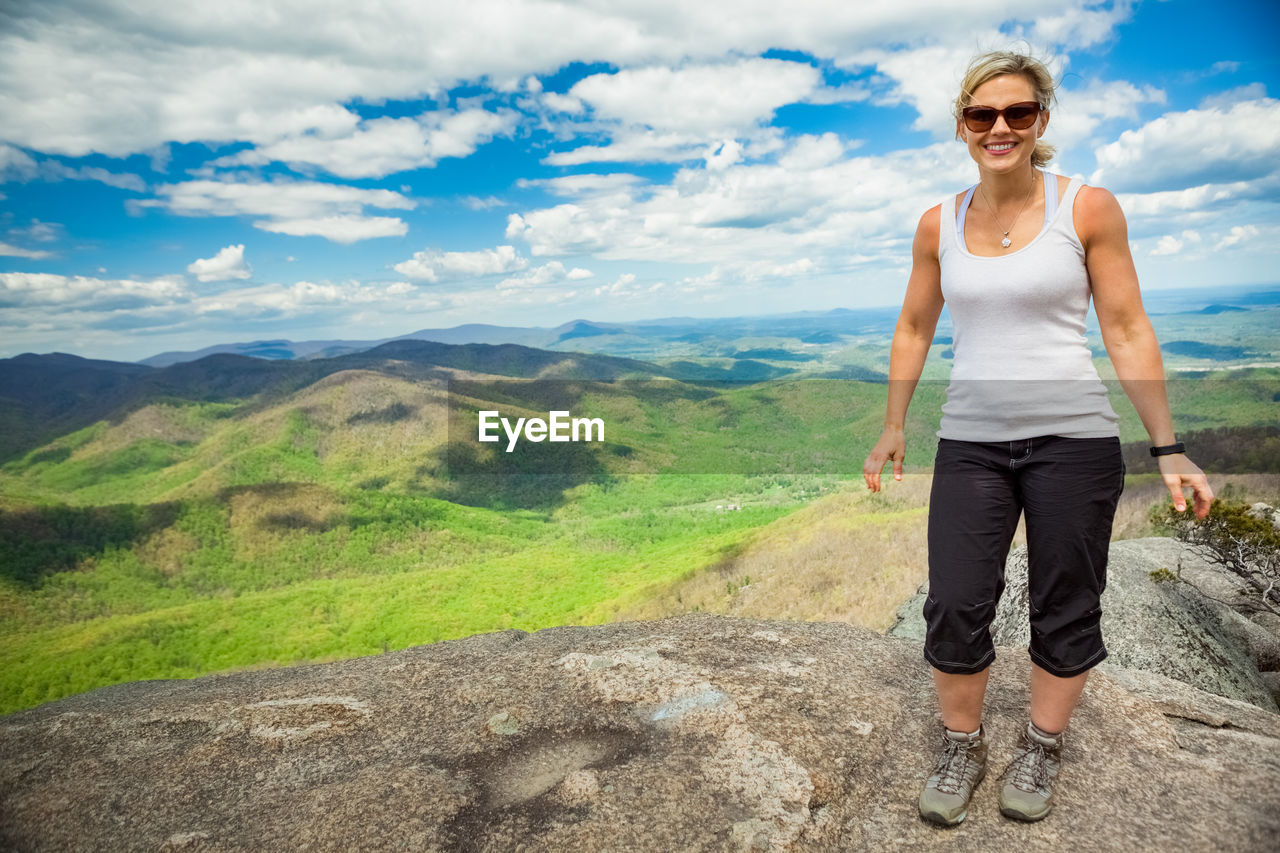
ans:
x=1242 y=539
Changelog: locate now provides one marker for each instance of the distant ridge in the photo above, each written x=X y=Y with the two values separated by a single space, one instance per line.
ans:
x=46 y=396
x=820 y=326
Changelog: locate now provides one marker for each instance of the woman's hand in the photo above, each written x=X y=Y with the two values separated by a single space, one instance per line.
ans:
x=892 y=445
x=1178 y=473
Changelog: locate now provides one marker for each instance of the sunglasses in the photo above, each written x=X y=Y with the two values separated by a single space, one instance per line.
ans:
x=1017 y=116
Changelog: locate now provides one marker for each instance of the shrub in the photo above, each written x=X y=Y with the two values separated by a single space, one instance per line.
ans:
x=1239 y=538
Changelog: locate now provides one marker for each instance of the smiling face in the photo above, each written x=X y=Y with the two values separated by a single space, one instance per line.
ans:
x=1003 y=149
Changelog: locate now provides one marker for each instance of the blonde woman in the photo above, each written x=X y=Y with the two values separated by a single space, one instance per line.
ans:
x=1026 y=429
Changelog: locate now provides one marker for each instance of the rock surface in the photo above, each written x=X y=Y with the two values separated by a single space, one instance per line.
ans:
x=698 y=733
x=1160 y=627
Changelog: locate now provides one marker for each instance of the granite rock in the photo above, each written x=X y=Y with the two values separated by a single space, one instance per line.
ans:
x=698 y=733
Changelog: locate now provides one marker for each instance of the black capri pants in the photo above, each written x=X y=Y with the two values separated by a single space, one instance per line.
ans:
x=1068 y=488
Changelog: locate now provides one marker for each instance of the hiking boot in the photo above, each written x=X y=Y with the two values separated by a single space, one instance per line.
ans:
x=1027 y=792
x=961 y=764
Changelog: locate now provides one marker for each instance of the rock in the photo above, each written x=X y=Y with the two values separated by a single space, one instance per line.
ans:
x=1161 y=627
x=1267 y=512
x=695 y=733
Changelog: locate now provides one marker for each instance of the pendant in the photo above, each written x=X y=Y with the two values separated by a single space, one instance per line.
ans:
x=1006 y=242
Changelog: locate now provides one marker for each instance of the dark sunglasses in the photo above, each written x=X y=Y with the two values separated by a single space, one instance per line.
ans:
x=1017 y=116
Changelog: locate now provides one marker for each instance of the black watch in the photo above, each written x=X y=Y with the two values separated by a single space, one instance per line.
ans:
x=1167 y=449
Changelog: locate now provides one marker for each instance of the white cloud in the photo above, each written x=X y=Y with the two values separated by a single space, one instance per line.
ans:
x=1196 y=146
x=662 y=114
x=379 y=147
x=1170 y=245
x=290 y=299
x=228 y=264
x=124 y=78
x=39 y=232
x=621 y=286
x=562 y=103
x=1204 y=196
x=1226 y=100
x=16 y=165
x=1080 y=112
x=809 y=204
x=711 y=100
x=18 y=289
x=1238 y=234
x=434 y=265
x=339 y=229
x=12 y=251
x=578 y=273
x=298 y=208
x=578 y=185
x=488 y=203
x=548 y=273
x=1080 y=25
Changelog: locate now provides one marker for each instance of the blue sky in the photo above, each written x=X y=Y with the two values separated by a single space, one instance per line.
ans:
x=175 y=174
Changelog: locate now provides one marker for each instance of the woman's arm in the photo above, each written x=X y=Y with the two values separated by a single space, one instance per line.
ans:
x=1129 y=338
x=911 y=340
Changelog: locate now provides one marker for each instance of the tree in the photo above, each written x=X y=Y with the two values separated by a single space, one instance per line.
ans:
x=1241 y=539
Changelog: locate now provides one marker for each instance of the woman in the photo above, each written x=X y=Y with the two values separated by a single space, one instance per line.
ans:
x=1026 y=427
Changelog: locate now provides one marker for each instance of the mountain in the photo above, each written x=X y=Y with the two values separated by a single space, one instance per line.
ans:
x=648 y=335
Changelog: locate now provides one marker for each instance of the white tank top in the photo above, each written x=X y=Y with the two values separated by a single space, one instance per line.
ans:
x=1022 y=368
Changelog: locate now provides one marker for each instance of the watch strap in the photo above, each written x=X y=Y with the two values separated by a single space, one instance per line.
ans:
x=1167 y=449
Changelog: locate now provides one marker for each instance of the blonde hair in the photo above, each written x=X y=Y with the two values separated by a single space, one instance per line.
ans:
x=998 y=63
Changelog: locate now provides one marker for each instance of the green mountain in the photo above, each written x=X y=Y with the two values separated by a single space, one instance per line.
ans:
x=231 y=512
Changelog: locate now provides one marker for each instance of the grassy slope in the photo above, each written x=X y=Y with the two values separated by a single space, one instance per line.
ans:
x=314 y=528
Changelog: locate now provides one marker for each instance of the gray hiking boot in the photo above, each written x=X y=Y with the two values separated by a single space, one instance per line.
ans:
x=1027 y=792
x=961 y=764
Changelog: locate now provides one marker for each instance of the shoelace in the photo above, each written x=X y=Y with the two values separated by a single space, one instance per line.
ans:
x=953 y=765
x=1028 y=770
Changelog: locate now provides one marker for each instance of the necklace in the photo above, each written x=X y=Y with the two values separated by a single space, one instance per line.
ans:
x=1006 y=242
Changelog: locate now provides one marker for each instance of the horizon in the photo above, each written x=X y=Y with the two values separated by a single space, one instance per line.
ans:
x=1180 y=297
x=173 y=179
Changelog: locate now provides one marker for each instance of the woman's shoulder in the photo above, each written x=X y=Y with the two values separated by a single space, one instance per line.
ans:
x=930 y=225
x=1096 y=210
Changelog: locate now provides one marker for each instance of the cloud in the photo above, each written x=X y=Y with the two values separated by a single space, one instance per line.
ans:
x=662 y=114
x=228 y=264
x=1238 y=234
x=1170 y=245
x=578 y=185
x=1226 y=100
x=487 y=203
x=1183 y=149
x=808 y=204
x=433 y=265
x=710 y=100
x=338 y=229
x=39 y=232
x=298 y=208
x=548 y=273
x=379 y=147
x=288 y=299
x=16 y=165
x=124 y=78
x=12 y=251
x=1081 y=112
x=20 y=289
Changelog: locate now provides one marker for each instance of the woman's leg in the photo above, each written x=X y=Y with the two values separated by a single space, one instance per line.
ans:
x=973 y=510
x=1069 y=489
x=960 y=697
x=1053 y=698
